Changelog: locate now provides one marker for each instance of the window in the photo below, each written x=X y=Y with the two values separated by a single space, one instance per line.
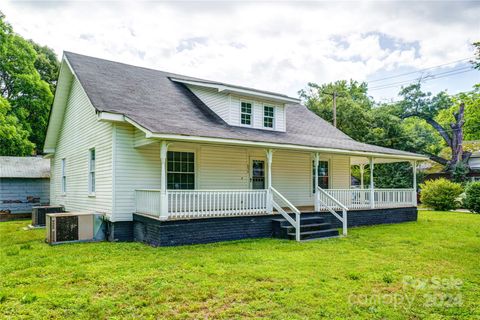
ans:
x=91 y=172
x=322 y=175
x=64 y=176
x=246 y=114
x=268 y=116
x=180 y=170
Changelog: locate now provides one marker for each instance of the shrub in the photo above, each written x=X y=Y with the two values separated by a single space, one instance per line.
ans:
x=472 y=197
x=440 y=194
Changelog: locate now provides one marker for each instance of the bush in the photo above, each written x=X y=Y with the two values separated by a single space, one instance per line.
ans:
x=440 y=194
x=472 y=197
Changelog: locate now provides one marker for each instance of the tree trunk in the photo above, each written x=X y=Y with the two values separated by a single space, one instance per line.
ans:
x=457 y=136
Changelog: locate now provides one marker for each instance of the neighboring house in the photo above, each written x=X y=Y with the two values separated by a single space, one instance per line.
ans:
x=171 y=159
x=24 y=182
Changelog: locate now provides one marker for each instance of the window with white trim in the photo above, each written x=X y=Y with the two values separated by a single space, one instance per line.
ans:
x=246 y=113
x=64 y=176
x=322 y=175
x=91 y=171
x=180 y=170
x=268 y=116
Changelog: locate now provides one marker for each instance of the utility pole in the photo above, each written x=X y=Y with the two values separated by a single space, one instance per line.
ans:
x=334 y=95
x=335 y=109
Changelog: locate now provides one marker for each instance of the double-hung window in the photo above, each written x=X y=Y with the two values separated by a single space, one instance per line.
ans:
x=268 y=116
x=246 y=113
x=322 y=175
x=180 y=170
x=64 y=175
x=91 y=171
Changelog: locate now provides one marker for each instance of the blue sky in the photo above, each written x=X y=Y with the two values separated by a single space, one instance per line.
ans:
x=277 y=46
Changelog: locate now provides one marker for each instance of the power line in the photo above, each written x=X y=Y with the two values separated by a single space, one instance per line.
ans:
x=431 y=78
x=425 y=77
x=421 y=70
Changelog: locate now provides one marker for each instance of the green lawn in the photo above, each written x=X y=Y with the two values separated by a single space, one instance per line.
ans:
x=361 y=276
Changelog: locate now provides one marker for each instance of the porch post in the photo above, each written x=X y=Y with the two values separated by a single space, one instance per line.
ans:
x=269 y=153
x=372 y=184
x=316 y=194
x=362 y=171
x=163 y=181
x=414 y=168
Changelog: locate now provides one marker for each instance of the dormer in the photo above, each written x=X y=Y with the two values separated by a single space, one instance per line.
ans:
x=240 y=106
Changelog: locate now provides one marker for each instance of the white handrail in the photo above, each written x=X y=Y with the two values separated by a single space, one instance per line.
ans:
x=288 y=203
x=295 y=223
x=332 y=198
x=342 y=219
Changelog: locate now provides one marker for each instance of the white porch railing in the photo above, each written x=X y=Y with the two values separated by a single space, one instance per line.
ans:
x=185 y=204
x=360 y=198
x=147 y=201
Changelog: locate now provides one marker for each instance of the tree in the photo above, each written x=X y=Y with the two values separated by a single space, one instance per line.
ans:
x=13 y=138
x=30 y=97
x=417 y=103
x=353 y=116
x=46 y=64
x=471 y=100
x=362 y=120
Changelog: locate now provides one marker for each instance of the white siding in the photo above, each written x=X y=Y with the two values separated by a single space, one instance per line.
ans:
x=134 y=168
x=340 y=172
x=292 y=176
x=215 y=100
x=474 y=163
x=79 y=133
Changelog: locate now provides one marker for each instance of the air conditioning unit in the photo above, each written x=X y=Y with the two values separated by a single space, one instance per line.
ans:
x=39 y=213
x=74 y=226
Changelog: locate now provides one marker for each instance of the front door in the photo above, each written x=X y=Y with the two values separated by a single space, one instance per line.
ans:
x=257 y=176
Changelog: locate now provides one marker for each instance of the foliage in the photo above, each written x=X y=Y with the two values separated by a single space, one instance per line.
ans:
x=459 y=172
x=244 y=279
x=440 y=194
x=472 y=197
x=46 y=64
x=471 y=128
x=353 y=116
x=476 y=62
x=21 y=84
x=13 y=138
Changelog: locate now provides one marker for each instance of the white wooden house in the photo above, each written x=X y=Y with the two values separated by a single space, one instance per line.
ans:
x=171 y=159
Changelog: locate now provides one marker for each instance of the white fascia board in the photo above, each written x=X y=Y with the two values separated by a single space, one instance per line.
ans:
x=240 y=91
x=111 y=117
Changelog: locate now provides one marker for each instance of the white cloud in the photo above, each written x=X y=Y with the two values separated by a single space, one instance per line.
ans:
x=278 y=47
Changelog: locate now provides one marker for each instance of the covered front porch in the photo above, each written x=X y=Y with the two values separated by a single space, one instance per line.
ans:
x=180 y=197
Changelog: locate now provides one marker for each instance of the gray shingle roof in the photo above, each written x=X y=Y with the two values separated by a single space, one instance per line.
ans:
x=161 y=105
x=24 y=167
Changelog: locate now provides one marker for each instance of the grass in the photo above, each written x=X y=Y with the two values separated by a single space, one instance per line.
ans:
x=361 y=276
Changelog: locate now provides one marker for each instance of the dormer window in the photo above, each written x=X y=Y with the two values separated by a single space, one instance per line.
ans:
x=246 y=114
x=268 y=116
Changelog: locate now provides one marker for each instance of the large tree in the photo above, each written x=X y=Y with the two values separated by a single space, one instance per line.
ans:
x=21 y=84
x=13 y=138
x=424 y=105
